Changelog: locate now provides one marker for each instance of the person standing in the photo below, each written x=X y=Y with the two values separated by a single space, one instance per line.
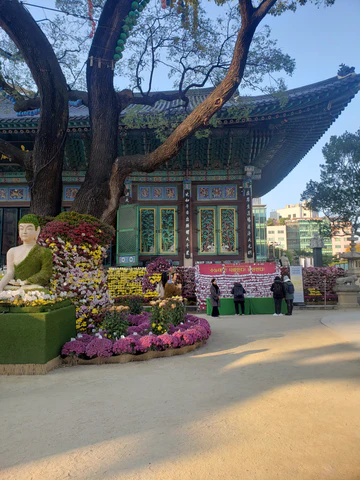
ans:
x=172 y=287
x=160 y=287
x=214 y=298
x=289 y=294
x=278 y=290
x=238 y=291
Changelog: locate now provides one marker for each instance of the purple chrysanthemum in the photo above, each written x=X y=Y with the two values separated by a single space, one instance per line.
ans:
x=150 y=342
x=126 y=345
x=75 y=348
x=99 y=347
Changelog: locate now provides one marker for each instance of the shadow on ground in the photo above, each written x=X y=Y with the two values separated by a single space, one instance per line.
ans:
x=144 y=411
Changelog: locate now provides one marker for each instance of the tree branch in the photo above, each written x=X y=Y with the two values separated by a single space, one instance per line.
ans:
x=9 y=89
x=213 y=103
x=10 y=56
x=14 y=154
x=263 y=9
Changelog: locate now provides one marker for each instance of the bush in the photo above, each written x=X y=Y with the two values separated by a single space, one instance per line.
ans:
x=116 y=323
x=134 y=302
x=165 y=313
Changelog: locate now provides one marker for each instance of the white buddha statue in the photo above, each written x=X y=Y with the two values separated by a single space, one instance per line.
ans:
x=29 y=266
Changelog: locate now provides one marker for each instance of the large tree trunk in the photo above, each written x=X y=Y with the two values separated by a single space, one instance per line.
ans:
x=44 y=167
x=94 y=194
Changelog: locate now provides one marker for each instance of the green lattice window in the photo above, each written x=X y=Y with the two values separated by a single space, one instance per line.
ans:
x=148 y=230
x=217 y=231
x=158 y=230
x=207 y=231
x=227 y=230
x=167 y=230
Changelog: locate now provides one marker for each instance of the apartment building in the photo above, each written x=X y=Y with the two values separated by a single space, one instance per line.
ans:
x=298 y=210
x=277 y=236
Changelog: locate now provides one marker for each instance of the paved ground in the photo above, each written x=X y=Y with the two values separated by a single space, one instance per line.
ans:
x=267 y=398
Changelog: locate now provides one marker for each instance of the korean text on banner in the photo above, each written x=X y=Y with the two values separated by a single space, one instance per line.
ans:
x=297 y=280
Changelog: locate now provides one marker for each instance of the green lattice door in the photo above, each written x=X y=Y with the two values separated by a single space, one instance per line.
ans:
x=127 y=238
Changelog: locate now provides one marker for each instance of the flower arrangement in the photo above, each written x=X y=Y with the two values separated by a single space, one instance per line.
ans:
x=154 y=270
x=189 y=332
x=166 y=312
x=125 y=281
x=186 y=277
x=116 y=322
x=29 y=298
x=79 y=245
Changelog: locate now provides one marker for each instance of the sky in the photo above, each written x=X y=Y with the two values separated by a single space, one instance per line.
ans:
x=319 y=39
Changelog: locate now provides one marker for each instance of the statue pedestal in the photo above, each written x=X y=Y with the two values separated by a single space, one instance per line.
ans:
x=347 y=296
x=31 y=338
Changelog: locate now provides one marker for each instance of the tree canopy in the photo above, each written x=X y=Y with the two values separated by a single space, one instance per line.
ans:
x=337 y=193
x=126 y=36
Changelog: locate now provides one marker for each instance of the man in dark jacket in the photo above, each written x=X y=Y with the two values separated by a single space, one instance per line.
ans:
x=278 y=290
x=239 y=291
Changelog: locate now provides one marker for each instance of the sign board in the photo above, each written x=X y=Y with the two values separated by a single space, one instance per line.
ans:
x=187 y=193
x=240 y=269
x=250 y=268
x=297 y=280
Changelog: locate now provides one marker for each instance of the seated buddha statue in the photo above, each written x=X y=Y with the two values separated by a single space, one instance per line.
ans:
x=29 y=266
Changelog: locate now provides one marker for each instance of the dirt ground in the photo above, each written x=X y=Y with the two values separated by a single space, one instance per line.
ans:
x=267 y=398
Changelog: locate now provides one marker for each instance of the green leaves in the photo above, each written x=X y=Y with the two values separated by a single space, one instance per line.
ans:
x=337 y=193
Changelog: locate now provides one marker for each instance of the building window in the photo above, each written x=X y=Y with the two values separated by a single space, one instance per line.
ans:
x=217 y=230
x=158 y=231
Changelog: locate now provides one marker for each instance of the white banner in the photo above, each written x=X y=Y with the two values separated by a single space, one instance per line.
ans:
x=297 y=280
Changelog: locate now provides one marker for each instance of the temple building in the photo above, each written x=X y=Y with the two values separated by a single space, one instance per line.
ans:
x=198 y=206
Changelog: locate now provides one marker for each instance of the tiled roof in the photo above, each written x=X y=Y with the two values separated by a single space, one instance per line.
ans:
x=275 y=134
x=257 y=105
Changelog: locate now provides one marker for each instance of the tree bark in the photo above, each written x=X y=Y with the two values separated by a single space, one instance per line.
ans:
x=44 y=171
x=94 y=195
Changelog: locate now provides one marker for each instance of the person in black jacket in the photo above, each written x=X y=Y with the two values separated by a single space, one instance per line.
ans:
x=238 y=291
x=214 y=298
x=278 y=290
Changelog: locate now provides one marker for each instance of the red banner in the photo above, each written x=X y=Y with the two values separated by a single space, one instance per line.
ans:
x=211 y=269
x=237 y=269
x=250 y=268
x=243 y=269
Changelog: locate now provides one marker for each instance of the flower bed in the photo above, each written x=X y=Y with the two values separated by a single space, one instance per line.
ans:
x=138 y=340
x=319 y=299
